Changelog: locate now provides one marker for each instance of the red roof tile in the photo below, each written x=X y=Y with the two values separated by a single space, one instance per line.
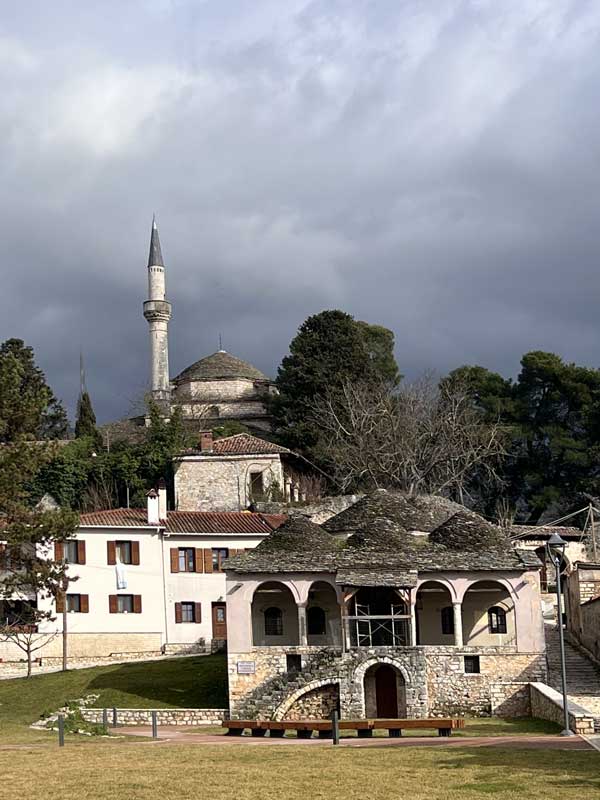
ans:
x=187 y=521
x=241 y=444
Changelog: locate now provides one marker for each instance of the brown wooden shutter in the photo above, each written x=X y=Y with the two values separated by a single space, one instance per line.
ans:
x=208 y=565
x=137 y=603
x=81 y=552
x=178 y=613
x=59 y=551
x=60 y=602
x=113 y=605
x=111 y=552
x=199 y=558
x=197 y=612
x=135 y=553
x=174 y=559
x=84 y=603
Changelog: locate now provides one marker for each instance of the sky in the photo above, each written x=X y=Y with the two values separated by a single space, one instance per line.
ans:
x=428 y=165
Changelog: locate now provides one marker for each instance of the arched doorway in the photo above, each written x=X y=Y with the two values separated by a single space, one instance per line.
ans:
x=274 y=616
x=385 y=692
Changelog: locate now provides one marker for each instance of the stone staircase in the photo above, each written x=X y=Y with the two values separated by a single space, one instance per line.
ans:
x=583 y=676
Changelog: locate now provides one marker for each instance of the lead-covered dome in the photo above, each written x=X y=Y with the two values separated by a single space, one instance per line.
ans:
x=220 y=366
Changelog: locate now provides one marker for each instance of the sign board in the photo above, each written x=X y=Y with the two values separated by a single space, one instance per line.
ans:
x=246 y=667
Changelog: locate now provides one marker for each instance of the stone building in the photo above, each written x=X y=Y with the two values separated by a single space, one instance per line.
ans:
x=398 y=606
x=215 y=389
x=236 y=472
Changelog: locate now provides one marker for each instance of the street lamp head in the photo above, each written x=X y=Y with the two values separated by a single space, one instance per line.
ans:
x=556 y=546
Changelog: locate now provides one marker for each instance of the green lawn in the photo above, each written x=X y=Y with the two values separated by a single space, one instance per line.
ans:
x=145 y=771
x=194 y=682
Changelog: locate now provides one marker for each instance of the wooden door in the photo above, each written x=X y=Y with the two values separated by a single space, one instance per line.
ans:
x=219 y=621
x=386 y=692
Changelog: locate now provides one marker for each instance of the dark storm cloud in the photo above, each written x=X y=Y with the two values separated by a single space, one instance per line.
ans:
x=429 y=166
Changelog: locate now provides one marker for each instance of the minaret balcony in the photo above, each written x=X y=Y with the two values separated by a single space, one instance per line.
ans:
x=157 y=310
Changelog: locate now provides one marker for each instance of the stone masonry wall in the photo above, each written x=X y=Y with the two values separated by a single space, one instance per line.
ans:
x=546 y=703
x=165 y=716
x=316 y=704
x=451 y=691
x=590 y=624
x=436 y=684
x=91 y=645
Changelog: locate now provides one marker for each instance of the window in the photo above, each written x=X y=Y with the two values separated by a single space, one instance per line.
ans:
x=497 y=620
x=219 y=614
x=257 y=489
x=472 y=665
x=293 y=662
x=123 y=551
x=124 y=603
x=273 y=622
x=448 y=620
x=219 y=554
x=315 y=621
x=187 y=559
x=71 y=553
x=188 y=612
x=74 y=603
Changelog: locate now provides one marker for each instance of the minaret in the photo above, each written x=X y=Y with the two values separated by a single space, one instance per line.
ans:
x=158 y=313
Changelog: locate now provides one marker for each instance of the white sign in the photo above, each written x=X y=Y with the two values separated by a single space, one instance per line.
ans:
x=246 y=667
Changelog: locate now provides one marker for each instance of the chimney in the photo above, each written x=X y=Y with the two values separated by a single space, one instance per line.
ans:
x=162 y=499
x=153 y=515
x=206 y=441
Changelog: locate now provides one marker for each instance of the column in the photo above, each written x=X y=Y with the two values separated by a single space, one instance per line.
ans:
x=413 y=618
x=458 y=633
x=302 y=635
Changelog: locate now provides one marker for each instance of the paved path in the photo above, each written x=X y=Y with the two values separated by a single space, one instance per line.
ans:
x=176 y=735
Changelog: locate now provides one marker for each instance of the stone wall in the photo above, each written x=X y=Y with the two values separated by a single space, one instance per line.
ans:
x=165 y=716
x=316 y=704
x=91 y=645
x=590 y=624
x=435 y=683
x=451 y=691
x=547 y=703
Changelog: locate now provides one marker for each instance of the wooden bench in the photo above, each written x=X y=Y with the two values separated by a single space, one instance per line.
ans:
x=324 y=727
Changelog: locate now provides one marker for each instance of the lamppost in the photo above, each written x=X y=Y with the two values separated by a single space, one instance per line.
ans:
x=556 y=550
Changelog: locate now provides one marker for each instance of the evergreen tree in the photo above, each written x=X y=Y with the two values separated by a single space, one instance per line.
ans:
x=85 y=425
x=330 y=348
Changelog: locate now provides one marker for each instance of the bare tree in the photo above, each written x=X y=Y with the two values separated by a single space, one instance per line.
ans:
x=21 y=629
x=422 y=438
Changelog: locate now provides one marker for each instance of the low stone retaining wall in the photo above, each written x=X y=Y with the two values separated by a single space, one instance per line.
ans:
x=165 y=716
x=547 y=703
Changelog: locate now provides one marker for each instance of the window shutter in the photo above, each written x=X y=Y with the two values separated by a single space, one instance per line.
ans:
x=178 y=613
x=174 y=559
x=199 y=554
x=137 y=603
x=59 y=551
x=60 y=602
x=84 y=603
x=113 y=607
x=111 y=552
x=81 y=552
x=197 y=612
x=135 y=553
x=208 y=565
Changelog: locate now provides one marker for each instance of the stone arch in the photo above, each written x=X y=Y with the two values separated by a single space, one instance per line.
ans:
x=469 y=584
x=283 y=708
x=361 y=671
x=434 y=613
x=448 y=585
x=322 y=596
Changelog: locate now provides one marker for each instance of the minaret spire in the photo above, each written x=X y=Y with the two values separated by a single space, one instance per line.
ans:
x=157 y=310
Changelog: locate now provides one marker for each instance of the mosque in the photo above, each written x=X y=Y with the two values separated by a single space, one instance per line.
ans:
x=217 y=388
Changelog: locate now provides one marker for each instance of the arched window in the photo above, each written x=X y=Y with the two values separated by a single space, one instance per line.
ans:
x=497 y=619
x=273 y=622
x=315 y=621
x=447 y=615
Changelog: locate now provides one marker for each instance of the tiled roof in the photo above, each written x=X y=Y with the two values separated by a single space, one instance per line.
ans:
x=241 y=444
x=220 y=366
x=188 y=521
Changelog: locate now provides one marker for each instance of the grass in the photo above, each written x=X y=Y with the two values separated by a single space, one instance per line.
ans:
x=102 y=770
x=194 y=682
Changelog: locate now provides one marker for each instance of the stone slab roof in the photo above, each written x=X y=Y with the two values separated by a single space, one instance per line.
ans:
x=220 y=366
x=355 y=577
x=384 y=549
x=545 y=531
x=186 y=521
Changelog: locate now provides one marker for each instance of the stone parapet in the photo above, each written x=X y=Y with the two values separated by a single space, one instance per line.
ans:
x=547 y=703
x=165 y=716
